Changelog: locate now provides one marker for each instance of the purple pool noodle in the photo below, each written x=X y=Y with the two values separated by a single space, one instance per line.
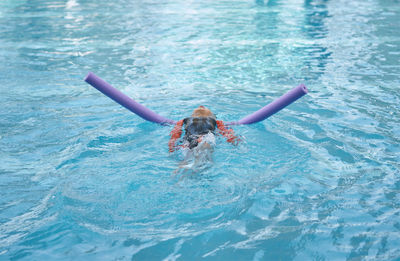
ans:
x=274 y=106
x=124 y=100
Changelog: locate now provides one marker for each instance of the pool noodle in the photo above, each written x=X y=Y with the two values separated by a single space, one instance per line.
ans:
x=274 y=106
x=150 y=115
x=124 y=100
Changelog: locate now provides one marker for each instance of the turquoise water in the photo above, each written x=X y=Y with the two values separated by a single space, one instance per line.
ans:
x=82 y=178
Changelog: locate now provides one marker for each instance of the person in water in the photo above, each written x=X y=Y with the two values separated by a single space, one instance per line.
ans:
x=199 y=139
x=200 y=129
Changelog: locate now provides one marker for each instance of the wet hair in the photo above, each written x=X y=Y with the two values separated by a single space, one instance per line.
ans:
x=197 y=126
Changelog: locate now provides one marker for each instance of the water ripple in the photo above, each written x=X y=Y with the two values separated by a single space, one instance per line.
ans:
x=82 y=178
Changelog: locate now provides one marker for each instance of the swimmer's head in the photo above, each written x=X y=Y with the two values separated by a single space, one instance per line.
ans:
x=202 y=111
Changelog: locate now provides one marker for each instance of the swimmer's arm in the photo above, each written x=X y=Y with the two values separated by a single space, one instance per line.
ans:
x=227 y=133
x=175 y=135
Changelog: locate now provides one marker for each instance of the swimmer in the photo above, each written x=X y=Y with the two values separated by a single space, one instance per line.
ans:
x=199 y=138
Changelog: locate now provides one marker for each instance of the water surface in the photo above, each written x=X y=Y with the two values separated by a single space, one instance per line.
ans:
x=82 y=178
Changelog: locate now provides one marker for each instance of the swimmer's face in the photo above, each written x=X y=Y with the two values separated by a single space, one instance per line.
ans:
x=202 y=111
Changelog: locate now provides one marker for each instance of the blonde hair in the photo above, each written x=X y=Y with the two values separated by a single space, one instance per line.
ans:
x=202 y=111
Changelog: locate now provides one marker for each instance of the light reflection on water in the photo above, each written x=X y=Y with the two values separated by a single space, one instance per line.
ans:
x=82 y=178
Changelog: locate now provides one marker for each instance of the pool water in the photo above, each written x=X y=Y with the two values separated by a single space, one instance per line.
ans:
x=82 y=178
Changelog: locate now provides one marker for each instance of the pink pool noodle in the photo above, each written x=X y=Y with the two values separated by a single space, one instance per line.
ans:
x=124 y=100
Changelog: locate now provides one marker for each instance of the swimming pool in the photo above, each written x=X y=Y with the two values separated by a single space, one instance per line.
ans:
x=84 y=179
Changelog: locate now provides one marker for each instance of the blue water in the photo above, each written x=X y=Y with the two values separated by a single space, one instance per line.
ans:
x=82 y=178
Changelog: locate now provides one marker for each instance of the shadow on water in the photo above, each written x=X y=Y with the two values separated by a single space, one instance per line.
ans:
x=26 y=34
x=268 y=3
x=316 y=14
x=266 y=19
x=316 y=55
x=267 y=31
